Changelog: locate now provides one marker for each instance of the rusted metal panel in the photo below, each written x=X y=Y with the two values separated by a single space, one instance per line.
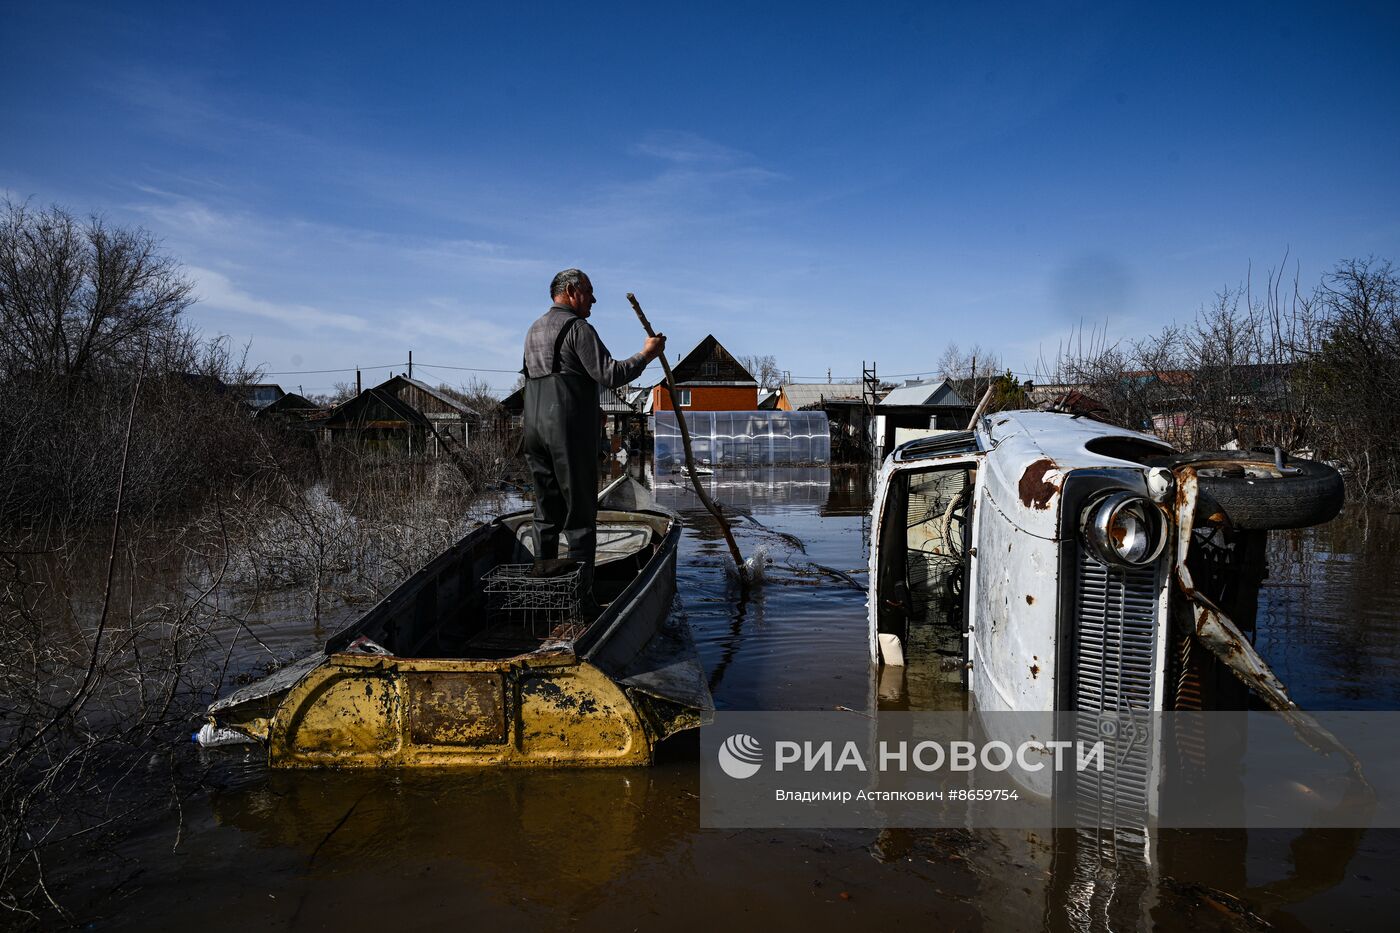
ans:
x=1013 y=587
x=1037 y=491
x=457 y=708
x=369 y=712
x=579 y=714
x=338 y=715
x=1213 y=627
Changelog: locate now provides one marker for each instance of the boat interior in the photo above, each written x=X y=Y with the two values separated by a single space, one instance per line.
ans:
x=480 y=599
x=924 y=541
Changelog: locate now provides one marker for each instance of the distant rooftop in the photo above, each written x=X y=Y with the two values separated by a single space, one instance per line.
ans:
x=803 y=394
x=932 y=394
x=424 y=387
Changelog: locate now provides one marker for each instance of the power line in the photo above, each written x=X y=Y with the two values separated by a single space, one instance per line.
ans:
x=823 y=377
x=482 y=369
x=319 y=372
x=468 y=369
x=931 y=372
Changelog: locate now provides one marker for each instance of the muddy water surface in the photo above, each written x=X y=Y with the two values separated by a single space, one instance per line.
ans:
x=621 y=850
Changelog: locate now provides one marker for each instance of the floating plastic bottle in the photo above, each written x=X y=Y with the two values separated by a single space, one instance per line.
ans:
x=209 y=735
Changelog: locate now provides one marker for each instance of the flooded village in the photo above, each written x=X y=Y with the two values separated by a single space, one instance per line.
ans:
x=291 y=597
x=690 y=469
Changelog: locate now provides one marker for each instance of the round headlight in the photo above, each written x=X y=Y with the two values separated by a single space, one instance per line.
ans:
x=1125 y=529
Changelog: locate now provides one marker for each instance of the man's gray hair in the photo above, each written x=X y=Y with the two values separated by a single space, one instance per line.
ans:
x=564 y=279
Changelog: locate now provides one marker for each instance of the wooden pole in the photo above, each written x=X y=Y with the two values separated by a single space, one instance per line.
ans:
x=710 y=504
x=981 y=407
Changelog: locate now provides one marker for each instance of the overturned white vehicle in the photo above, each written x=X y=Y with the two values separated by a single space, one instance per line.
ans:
x=1058 y=563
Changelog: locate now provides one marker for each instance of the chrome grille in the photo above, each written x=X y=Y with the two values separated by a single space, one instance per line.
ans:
x=1114 y=678
x=1117 y=637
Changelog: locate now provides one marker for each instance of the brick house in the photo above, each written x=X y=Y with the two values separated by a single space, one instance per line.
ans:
x=709 y=378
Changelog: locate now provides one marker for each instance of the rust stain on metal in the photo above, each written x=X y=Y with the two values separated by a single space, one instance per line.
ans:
x=1030 y=600
x=457 y=708
x=1183 y=495
x=1036 y=492
x=1035 y=671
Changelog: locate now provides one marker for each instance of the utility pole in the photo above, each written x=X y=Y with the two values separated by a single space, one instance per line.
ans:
x=828 y=375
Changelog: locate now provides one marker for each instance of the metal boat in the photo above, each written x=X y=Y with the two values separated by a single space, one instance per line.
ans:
x=476 y=661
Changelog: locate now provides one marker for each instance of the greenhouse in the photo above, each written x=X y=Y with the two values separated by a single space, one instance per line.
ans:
x=744 y=438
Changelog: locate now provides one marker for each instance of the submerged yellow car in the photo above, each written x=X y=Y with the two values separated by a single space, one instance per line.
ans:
x=475 y=661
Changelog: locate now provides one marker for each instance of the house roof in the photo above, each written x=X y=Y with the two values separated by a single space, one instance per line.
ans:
x=387 y=394
x=260 y=394
x=728 y=370
x=289 y=403
x=397 y=382
x=351 y=411
x=803 y=394
x=938 y=394
x=768 y=399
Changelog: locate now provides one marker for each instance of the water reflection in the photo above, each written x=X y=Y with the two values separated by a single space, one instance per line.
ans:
x=745 y=489
x=510 y=833
x=1330 y=612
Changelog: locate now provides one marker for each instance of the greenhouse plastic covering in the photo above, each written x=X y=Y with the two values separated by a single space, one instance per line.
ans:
x=745 y=438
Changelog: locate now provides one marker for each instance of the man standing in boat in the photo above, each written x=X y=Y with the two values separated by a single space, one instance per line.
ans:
x=565 y=363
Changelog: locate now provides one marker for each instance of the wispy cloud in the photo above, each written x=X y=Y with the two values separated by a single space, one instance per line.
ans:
x=697 y=183
x=442 y=321
x=688 y=149
x=217 y=292
x=202 y=110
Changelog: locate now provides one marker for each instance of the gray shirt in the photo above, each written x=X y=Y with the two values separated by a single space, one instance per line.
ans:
x=581 y=353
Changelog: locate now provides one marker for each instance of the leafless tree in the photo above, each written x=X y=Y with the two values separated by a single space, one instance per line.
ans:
x=1312 y=370
x=78 y=296
x=127 y=458
x=971 y=371
x=1355 y=372
x=84 y=307
x=764 y=369
x=340 y=392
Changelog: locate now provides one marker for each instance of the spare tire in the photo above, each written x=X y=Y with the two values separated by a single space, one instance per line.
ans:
x=1253 y=493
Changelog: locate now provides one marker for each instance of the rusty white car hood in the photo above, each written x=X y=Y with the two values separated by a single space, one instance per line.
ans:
x=1028 y=453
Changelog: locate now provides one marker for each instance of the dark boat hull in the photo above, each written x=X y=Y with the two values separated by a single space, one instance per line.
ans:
x=384 y=694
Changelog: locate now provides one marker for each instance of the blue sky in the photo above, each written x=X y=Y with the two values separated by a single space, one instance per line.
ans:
x=827 y=184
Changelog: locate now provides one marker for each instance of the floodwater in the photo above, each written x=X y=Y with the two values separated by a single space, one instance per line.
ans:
x=622 y=850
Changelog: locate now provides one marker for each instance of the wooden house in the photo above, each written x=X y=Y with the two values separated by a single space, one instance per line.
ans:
x=709 y=378
x=290 y=409
x=401 y=414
